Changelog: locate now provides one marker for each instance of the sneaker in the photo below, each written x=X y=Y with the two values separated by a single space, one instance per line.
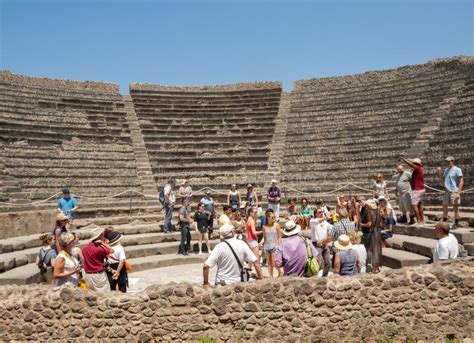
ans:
x=200 y=253
x=210 y=251
x=454 y=227
x=185 y=253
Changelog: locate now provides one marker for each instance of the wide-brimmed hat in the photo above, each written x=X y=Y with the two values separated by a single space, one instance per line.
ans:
x=96 y=233
x=226 y=230
x=416 y=161
x=381 y=197
x=450 y=159
x=343 y=243
x=114 y=237
x=61 y=216
x=291 y=228
x=243 y=204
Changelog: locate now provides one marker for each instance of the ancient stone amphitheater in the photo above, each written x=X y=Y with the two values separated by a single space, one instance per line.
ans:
x=116 y=151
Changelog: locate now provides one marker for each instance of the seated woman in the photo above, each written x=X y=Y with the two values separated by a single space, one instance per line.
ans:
x=293 y=211
x=239 y=224
x=305 y=213
x=387 y=221
x=356 y=238
x=346 y=261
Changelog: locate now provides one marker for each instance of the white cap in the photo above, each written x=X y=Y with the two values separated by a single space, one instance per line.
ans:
x=274 y=181
x=381 y=198
x=225 y=230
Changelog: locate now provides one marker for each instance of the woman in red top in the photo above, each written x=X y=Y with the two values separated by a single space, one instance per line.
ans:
x=252 y=235
x=418 y=187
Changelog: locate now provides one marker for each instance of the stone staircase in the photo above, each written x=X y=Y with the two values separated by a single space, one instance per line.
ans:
x=433 y=123
x=144 y=172
x=275 y=160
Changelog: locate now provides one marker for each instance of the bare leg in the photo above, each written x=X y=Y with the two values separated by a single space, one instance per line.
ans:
x=420 y=210
x=256 y=252
x=200 y=242
x=445 y=211
x=456 y=211
x=206 y=237
x=417 y=214
x=269 y=258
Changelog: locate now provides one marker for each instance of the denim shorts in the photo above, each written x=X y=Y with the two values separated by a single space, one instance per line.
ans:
x=252 y=244
x=269 y=250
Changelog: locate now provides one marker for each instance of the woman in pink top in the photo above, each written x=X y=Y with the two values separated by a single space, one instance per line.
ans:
x=252 y=235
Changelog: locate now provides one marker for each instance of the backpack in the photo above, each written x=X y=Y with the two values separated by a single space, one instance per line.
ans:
x=161 y=197
x=311 y=266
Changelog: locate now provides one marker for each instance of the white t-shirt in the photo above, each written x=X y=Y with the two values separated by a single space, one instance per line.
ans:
x=227 y=267
x=118 y=254
x=362 y=252
x=169 y=192
x=319 y=231
x=446 y=248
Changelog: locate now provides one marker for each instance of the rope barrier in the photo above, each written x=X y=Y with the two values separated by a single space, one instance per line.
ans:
x=203 y=190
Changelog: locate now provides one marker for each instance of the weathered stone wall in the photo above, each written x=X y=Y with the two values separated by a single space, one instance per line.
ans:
x=218 y=88
x=14 y=224
x=44 y=82
x=426 y=303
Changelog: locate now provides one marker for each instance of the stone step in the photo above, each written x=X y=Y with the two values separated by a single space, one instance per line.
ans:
x=160 y=261
x=417 y=245
x=428 y=231
x=22 y=275
x=394 y=258
x=163 y=248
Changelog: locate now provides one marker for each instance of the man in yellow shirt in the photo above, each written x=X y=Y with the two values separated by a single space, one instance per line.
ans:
x=225 y=217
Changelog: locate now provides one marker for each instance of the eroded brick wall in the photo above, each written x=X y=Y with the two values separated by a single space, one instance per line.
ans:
x=426 y=303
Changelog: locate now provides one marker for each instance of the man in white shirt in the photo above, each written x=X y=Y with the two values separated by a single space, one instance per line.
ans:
x=447 y=246
x=228 y=269
x=170 y=200
x=319 y=236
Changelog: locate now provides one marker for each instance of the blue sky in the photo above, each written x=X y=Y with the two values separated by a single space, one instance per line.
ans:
x=217 y=42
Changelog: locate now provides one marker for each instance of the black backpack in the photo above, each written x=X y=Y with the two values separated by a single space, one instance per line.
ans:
x=161 y=197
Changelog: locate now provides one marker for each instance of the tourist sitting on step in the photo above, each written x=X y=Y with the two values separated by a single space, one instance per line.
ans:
x=68 y=205
x=251 y=197
x=45 y=258
x=404 y=193
x=447 y=246
x=239 y=225
x=356 y=239
x=418 y=187
x=200 y=226
x=185 y=222
x=293 y=212
x=292 y=253
x=66 y=267
x=346 y=259
x=95 y=252
x=61 y=226
x=305 y=213
x=229 y=256
x=388 y=222
x=274 y=198
x=117 y=271
x=233 y=197
x=453 y=182
x=209 y=210
x=169 y=201
x=186 y=192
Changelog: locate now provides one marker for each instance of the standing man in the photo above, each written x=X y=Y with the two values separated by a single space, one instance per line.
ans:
x=229 y=257
x=185 y=226
x=403 y=192
x=170 y=200
x=209 y=210
x=417 y=184
x=274 y=197
x=453 y=183
x=95 y=252
x=319 y=237
x=447 y=247
x=67 y=205
x=365 y=221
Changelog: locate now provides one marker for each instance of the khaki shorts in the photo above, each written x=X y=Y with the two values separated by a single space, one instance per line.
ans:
x=450 y=199
x=404 y=202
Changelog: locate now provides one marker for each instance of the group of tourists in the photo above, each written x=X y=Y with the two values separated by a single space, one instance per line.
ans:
x=345 y=238
x=99 y=265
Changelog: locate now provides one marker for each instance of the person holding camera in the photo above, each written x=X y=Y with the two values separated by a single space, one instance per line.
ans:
x=95 y=252
x=45 y=258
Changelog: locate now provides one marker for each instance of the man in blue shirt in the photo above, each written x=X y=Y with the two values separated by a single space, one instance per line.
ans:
x=67 y=205
x=453 y=182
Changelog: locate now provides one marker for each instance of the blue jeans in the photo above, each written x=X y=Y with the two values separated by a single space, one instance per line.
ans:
x=185 y=244
x=168 y=216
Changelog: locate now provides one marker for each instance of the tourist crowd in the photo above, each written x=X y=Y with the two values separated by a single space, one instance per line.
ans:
x=316 y=239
